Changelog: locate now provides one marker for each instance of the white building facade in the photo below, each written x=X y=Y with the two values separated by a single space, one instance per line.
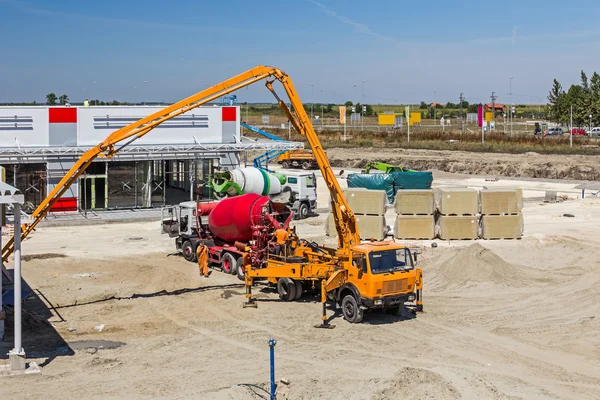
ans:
x=172 y=163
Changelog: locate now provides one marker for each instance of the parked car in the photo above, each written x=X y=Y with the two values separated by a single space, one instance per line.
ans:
x=555 y=132
x=578 y=131
x=593 y=132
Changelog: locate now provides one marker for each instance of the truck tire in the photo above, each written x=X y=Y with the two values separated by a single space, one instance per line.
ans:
x=286 y=289
x=240 y=269
x=188 y=251
x=352 y=312
x=303 y=211
x=285 y=165
x=305 y=165
x=228 y=263
x=299 y=290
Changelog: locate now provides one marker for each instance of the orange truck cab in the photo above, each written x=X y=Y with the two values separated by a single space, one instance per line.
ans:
x=382 y=275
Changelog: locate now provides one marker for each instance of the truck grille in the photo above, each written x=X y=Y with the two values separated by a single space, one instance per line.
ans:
x=395 y=286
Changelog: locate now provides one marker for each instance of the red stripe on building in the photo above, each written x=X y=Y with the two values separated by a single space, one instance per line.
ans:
x=62 y=115
x=229 y=114
x=65 y=204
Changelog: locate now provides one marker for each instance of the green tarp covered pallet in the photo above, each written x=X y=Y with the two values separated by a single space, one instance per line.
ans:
x=391 y=182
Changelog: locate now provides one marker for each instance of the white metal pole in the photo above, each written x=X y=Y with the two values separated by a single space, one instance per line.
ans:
x=408 y=123
x=17 y=280
x=571 y=129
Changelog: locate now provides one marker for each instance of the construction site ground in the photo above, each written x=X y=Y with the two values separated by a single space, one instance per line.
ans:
x=505 y=319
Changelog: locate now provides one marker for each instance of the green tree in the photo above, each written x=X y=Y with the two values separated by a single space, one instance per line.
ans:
x=63 y=99
x=423 y=106
x=573 y=97
x=51 y=99
x=369 y=110
x=595 y=97
x=348 y=104
x=555 y=98
x=451 y=105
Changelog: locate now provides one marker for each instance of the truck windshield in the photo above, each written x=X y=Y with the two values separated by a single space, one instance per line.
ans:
x=390 y=261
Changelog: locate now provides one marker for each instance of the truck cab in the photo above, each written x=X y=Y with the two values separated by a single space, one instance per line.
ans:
x=304 y=192
x=382 y=276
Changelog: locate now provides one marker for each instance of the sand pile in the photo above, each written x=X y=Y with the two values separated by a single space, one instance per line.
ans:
x=471 y=266
x=416 y=383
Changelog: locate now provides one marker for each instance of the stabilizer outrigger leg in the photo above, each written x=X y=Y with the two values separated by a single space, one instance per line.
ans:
x=324 y=323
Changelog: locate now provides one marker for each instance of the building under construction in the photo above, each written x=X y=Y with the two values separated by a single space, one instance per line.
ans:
x=171 y=164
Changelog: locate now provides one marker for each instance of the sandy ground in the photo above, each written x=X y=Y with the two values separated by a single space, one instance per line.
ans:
x=504 y=319
x=530 y=164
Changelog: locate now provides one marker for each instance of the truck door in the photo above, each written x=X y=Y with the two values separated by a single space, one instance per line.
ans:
x=170 y=217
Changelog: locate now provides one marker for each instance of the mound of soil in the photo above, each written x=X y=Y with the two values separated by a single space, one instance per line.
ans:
x=474 y=265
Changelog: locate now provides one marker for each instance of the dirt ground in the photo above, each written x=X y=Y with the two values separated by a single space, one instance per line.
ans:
x=505 y=319
x=532 y=165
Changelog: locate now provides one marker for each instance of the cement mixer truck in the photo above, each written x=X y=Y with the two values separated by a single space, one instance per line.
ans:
x=226 y=227
x=300 y=186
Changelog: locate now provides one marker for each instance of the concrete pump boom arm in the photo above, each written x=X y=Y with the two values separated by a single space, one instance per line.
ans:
x=345 y=221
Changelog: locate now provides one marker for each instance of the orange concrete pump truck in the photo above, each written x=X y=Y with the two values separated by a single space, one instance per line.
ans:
x=359 y=276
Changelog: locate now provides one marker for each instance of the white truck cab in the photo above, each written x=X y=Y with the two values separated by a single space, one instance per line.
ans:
x=304 y=190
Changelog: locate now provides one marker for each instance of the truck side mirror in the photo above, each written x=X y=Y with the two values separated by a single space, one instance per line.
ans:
x=415 y=256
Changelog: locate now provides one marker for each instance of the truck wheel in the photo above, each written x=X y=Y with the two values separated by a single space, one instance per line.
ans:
x=305 y=165
x=285 y=165
x=299 y=290
x=352 y=312
x=286 y=289
x=227 y=263
x=303 y=211
x=241 y=274
x=188 y=251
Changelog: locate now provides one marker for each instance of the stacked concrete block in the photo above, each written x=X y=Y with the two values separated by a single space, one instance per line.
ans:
x=457 y=227
x=502 y=226
x=414 y=227
x=457 y=201
x=415 y=214
x=457 y=213
x=501 y=216
x=369 y=226
x=366 y=202
x=369 y=208
x=415 y=202
x=500 y=201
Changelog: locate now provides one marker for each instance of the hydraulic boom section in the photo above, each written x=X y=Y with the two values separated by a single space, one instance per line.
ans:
x=345 y=220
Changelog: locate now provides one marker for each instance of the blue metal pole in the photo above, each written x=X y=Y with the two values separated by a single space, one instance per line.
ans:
x=272 y=343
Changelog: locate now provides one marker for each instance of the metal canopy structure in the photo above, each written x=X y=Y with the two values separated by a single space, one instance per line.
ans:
x=11 y=196
x=154 y=152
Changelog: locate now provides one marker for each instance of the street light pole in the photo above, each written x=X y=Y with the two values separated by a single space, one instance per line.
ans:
x=362 y=119
x=510 y=101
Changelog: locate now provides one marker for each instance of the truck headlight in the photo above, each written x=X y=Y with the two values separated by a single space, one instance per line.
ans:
x=378 y=302
x=411 y=297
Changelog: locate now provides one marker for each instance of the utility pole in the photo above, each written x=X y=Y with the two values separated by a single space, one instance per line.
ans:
x=571 y=129
x=462 y=125
x=510 y=116
x=494 y=97
x=362 y=119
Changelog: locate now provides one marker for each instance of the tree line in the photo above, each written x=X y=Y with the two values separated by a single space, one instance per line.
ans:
x=584 y=99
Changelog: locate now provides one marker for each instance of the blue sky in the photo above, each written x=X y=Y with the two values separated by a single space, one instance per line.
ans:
x=138 y=50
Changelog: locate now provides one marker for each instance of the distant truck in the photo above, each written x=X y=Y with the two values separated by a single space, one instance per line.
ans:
x=298 y=158
x=303 y=186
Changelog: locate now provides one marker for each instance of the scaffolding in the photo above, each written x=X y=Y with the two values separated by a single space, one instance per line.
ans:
x=151 y=152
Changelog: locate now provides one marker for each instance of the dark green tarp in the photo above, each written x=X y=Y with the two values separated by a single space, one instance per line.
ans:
x=391 y=182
